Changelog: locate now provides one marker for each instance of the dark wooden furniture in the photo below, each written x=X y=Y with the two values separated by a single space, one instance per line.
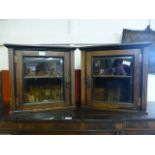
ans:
x=133 y=36
x=115 y=76
x=41 y=77
x=78 y=121
x=112 y=77
x=87 y=117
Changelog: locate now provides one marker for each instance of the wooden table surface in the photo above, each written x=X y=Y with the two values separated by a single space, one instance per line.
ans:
x=79 y=121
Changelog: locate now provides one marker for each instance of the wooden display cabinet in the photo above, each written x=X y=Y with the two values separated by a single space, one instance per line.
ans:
x=115 y=77
x=41 y=77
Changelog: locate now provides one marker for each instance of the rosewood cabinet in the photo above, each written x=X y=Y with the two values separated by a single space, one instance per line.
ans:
x=41 y=77
x=112 y=77
x=115 y=77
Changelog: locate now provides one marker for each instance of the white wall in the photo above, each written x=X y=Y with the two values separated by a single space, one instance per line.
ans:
x=34 y=31
x=103 y=31
x=3 y=58
x=65 y=32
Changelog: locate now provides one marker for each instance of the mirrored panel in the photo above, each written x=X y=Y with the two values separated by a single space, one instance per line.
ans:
x=43 y=79
x=112 y=79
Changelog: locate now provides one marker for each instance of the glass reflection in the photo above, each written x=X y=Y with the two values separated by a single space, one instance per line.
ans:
x=43 y=79
x=113 y=79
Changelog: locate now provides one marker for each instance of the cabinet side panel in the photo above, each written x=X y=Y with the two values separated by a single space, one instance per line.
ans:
x=12 y=79
x=19 y=86
x=72 y=69
x=144 y=77
x=89 y=79
x=67 y=79
x=136 y=78
x=83 y=76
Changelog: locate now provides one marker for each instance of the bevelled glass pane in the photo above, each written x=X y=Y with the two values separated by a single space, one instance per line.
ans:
x=43 y=79
x=112 y=79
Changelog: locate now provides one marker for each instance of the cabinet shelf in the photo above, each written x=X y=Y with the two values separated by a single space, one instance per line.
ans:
x=43 y=76
x=111 y=76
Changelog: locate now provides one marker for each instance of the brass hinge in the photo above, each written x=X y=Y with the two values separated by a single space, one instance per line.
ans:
x=15 y=59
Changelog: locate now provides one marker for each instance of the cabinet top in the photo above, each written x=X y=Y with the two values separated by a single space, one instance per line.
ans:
x=39 y=47
x=69 y=48
x=116 y=46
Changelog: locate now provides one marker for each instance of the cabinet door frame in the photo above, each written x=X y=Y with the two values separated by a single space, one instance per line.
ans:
x=136 y=83
x=19 y=77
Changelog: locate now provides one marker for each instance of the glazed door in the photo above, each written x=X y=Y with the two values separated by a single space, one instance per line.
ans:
x=42 y=79
x=112 y=79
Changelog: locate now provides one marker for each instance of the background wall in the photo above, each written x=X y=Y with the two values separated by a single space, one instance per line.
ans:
x=65 y=32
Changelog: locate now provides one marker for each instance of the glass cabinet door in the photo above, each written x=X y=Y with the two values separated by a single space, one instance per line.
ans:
x=113 y=78
x=43 y=79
